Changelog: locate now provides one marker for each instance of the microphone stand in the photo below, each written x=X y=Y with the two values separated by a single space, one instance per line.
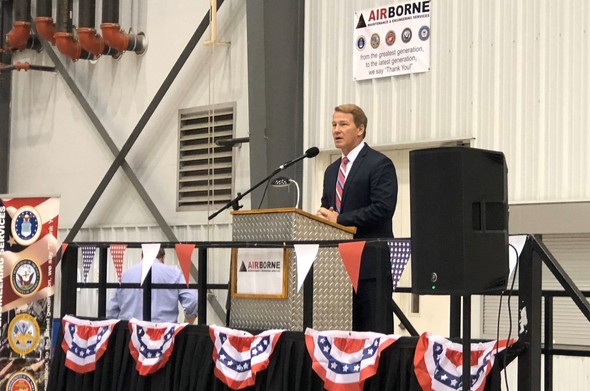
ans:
x=235 y=203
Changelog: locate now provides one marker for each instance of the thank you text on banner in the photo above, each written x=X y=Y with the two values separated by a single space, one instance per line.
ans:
x=392 y=40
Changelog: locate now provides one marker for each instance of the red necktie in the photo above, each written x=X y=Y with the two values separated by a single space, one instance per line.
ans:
x=340 y=183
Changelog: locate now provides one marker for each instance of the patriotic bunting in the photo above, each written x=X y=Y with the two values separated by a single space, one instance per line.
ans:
x=351 y=258
x=184 y=252
x=344 y=360
x=87 y=259
x=399 y=254
x=118 y=253
x=438 y=363
x=306 y=255
x=151 y=344
x=85 y=342
x=239 y=356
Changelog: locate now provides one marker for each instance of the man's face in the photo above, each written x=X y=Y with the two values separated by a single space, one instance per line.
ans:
x=345 y=133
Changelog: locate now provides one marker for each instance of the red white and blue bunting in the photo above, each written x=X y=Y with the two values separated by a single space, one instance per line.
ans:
x=344 y=360
x=85 y=342
x=152 y=344
x=239 y=356
x=438 y=363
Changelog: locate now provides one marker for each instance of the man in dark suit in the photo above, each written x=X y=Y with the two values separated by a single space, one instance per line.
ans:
x=362 y=192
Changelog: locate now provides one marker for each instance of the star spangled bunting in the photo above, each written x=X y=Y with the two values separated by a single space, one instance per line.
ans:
x=118 y=253
x=85 y=342
x=399 y=254
x=87 y=259
x=151 y=344
x=438 y=363
x=238 y=356
x=344 y=360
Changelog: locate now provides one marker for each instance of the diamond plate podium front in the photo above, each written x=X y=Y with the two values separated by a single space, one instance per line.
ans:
x=332 y=290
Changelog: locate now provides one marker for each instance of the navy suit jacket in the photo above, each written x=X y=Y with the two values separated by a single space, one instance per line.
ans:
x=369 y=198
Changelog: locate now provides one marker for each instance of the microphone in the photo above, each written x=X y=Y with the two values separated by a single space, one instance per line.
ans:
x=310 y=153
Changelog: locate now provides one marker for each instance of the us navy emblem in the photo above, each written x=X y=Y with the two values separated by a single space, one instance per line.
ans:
x=23 y=334
x=25 y=278
x=26 y=226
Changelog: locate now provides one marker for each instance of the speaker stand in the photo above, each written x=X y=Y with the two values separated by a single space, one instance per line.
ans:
x=466 y=342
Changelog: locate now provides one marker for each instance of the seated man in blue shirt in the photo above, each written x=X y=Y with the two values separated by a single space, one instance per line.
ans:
x=128 y=303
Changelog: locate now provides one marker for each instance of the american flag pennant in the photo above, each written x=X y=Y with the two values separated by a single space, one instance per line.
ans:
x=399 y=254
x=85 y=342
x=438 y=363
x=150 y=251
x=344 y=360
x=87 y=259
x=306 y=255
x=118 y=253
x=238 y=356
x=151 y=344
x=351 y=252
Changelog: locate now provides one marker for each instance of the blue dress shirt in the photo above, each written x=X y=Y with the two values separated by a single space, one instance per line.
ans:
x=128 y=303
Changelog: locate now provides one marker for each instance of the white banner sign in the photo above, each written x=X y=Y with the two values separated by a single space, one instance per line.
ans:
x=260 y=272
x=393 y=40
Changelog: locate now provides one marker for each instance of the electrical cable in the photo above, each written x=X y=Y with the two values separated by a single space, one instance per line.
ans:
x=509 y=317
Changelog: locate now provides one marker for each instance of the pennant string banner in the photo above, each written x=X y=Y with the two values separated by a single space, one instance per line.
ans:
x=150 y=251
x=87 y=259
x=306 y=256
x=351 y=257
x=399 y=254
x=184 y=252
x=118 y=253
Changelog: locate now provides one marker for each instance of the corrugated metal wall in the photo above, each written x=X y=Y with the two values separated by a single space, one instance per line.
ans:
x=511 y=74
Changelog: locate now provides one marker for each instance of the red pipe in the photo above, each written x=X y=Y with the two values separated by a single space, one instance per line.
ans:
x=18 y=37
x=67 y=45
x=90 y=41
x=45 y=28
x=114 y=37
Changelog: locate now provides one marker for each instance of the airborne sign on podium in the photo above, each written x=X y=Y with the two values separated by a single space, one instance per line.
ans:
x=259 y=272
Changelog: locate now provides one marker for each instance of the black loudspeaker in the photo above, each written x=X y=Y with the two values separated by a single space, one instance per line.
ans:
x=459 y=207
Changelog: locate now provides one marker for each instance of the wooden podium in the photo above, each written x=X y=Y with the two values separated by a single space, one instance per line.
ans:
x=332 y=289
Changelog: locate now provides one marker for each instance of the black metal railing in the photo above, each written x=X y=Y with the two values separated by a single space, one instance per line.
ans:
x=530 y=295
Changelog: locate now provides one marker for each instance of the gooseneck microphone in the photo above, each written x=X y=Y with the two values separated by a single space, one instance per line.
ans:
x=310 y=153
x=235 y=203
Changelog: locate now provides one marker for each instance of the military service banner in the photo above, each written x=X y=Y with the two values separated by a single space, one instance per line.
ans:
x=28 y=247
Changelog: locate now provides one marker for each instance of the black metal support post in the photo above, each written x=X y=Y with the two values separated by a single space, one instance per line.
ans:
x=548 y=343
x=455 y=317
x=202 y=288
x=102 y=282
x=466 y=342
x=529 y=318
x=308 y=300
x=69 y=276
x=147 y=296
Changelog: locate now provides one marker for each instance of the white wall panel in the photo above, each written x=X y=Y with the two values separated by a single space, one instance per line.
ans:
x=512 y=75
x=55 y=148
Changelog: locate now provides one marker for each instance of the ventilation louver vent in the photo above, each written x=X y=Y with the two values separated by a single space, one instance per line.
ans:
x=204 y=168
